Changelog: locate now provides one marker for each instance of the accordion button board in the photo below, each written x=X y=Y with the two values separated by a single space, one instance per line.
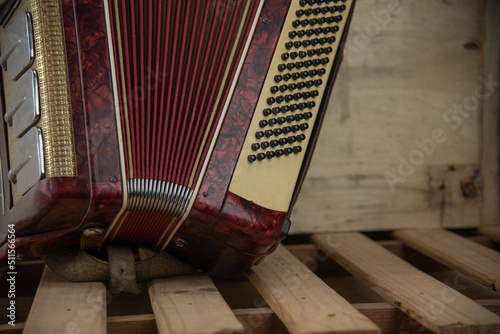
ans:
x=292 y=95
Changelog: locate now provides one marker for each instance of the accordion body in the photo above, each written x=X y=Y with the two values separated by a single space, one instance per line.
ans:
x=184 y=126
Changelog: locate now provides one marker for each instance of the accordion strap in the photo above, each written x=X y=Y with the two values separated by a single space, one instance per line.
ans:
x=124 y=273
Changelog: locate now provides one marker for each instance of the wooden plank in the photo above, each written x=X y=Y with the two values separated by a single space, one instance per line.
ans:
x=191 y=304
x=303 y=302
x=491 y=117
x=480 y=263
x=430 y=302
x=492 y=232
x=66 y=307
x=403 y=72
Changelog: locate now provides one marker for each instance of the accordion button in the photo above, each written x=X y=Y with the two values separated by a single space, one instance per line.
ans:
x=317 y=11
x=301 y=84
x=289 y=45
x=336 y=28
x=292 y=34
x=311 y=53
x=281 y=120
x=294 y=55
x=302 y=33
x=295 y=128
x=338 y=18
x=308 y=11
x=313 y=22
x=274 y=89
x=292 y=139
x=294 y=106
x=289 y=98
x=311 y=104
x=296 y=76
x=308 y=115
x=342 y=8
x=281 y=67
x=303 y=3
x=263 y=123
x=274 y=143
x=279 y=152
x=304 y=126
x=306 y=43
x=303 y=54
x=331 y=40
x=265 y=144
x=287 y=129
x=301 y=137
x=268 y=133
x=325 y=10
x=285 y=56
x=285 y=109
x=280 y=99
x=299 y=117
x=311 y=2
x=259 y=134
x=278 y=131
x=291 y=66
x=278 y=78
x=261 y=156
x=290 y=118
x=296 y=23
x=273 y=121
x=299 y=13
x=271 y=100
x=270 y=154
x=322 y=20
x=302 y=106
x=287 y=76
x=297 y=149
x=283 y=88
x=288 y=151
x=252 y=158
x=329 y=49
x=267 y=112
x=306 y=95
x=331 y=19
x=255 y=146
x=276 y=110
x=297 y=96
x=322 y=71
x=310 y=32
x=283 y=141
x=315 y=93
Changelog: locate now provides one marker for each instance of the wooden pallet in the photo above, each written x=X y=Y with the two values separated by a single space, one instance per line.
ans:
x=298 y=289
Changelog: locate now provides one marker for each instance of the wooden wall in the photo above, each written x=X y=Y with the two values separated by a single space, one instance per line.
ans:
x=402 y=142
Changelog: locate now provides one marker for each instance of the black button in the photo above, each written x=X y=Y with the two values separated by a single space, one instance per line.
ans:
x=301 y=137
x=304 y=22
x=271 y=100
x=281 y=120
x=279 y=152
x=302 y=84
x=308 y=115
x=292 y=139
x=294 y=55
x=281 y=67
x=276 y=110
x=270 y=154
x=274 y=143
x=290 y=66
x=317 y=11
x=273 y=121
x=297 y=96
x=304 y=126
x=259 y=134
x=287 y=129
x=327 y=30
x=299 y=13
x=285 y=109
x=290 y=118
x=331 y=40
x=322 y=20
x=321 y=51
x=278 y=78
x=297 y=149
x=299 y=117
x=313 y=73
x=297 y=44
x=283 y=88
x=280 y=99
x=274 y=89
x=309 y=83
x=321 y=71
x=324 y=61
x=302 y=106
x=313 y=22
x=304 y=74
x=278 y=131
x=299 y=64
x=283 y=141
x=302 y=54
x=252 y=158
x=296 y=23
x=288 y=45
x=336 y=28
x=267 y=112
x=292 y=34
x=310 y=32
x=306 y=43
x=295 y=128
x=265 y=144
x=328 y=49
x=294 y=106
x=261 y=156
x=315 y=93
x=255 y=146
x=319 y=31
x=296 y=75
x=285 y=56
x=311 y=104
x=302 y=33
x=263 y=123
x=289 y=97
x=287 y=76
x=308 y=63
x=292 y=86
x=288 y=151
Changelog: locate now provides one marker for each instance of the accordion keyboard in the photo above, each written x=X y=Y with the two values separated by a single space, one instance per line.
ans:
x=291 y=98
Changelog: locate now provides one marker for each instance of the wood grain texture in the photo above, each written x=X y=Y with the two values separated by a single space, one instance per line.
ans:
x=430 y=302
x=480 y=263
x=191 y=304
x=303 y=302
x=402 y=75
x=492 y=232
x=491 y=117
x=66 y=307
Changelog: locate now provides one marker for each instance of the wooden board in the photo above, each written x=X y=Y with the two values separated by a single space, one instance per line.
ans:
x=480 y=263
x=402 y=75
x=66 y=307
x=430 y=302
x=191 y=304
x=303 y=302
x=492 y=232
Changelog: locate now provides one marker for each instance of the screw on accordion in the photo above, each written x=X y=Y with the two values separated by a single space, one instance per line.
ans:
x=184 y=126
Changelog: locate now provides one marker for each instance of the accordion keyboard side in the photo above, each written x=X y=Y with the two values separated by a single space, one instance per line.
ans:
x=37 y=96
x=290 y=103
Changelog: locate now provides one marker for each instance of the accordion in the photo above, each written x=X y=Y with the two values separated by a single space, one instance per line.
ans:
x=184 y=126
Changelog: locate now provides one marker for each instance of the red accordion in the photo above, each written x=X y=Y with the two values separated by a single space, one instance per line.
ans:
x=184 y=126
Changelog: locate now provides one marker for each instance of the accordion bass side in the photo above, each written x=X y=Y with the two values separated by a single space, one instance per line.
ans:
x=184 y=126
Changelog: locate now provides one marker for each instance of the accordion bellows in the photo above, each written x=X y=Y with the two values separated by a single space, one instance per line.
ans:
x=184 y=126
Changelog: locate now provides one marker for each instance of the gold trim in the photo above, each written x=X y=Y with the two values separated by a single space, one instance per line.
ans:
x=55 y=104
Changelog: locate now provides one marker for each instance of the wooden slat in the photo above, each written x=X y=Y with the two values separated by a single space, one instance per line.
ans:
x=303 y=302
x=66 y=307
x=480 y=263
x=191 y=304
x=430 y=302
x=492 y=232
